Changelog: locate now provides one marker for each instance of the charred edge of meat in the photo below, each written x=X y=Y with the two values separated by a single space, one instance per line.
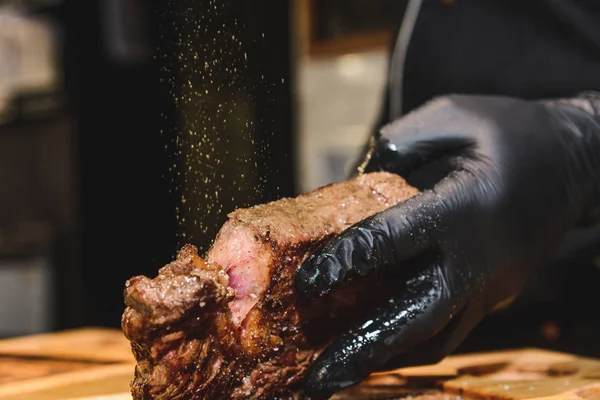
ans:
x=186 y=291
x=173 y=322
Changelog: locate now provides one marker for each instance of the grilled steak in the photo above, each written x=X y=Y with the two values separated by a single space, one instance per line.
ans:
x=231 y=326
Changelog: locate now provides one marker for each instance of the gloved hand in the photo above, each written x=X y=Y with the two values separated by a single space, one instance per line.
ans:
x=519 y=176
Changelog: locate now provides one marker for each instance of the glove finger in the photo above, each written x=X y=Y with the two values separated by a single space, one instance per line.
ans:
x=430 y=133
x=444 y=343
x=406 y=159
x=419 y=313
x=386 y=239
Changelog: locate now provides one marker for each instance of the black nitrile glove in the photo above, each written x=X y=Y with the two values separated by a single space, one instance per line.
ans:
x=520 y=175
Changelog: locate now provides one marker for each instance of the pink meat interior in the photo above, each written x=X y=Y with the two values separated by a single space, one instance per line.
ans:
x=245 y=258
x=242 y=245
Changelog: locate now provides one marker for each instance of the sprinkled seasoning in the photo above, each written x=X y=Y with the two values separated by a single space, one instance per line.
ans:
x=212 y=123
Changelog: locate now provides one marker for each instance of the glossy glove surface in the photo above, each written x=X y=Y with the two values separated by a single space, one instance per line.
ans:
x=518 y=176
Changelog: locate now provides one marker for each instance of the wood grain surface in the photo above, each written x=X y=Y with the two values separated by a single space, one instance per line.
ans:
x=89 y=344
x=97 y=381
x=99 y=366
x=16 y=369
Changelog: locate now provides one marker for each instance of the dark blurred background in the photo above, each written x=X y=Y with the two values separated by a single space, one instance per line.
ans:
x=131 y=127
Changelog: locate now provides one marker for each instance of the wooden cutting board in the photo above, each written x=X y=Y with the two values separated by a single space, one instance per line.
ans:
x=73 y=363
x=87 y=344
x=515 y=375
x=507 y=375
x=80 y=365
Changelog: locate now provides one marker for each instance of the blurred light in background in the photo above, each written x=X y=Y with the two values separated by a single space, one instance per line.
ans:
x=339 y=99
x=126 y=31
x=29 y=61
x=351 y=65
